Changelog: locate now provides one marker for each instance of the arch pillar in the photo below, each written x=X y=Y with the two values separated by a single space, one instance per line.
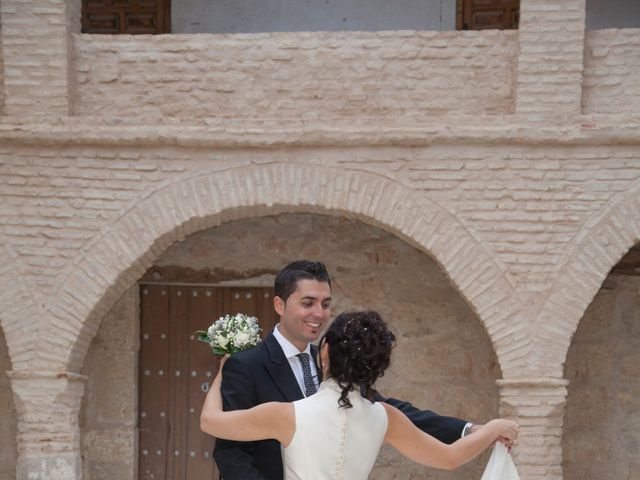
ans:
x=537 y=404
x=48 y=439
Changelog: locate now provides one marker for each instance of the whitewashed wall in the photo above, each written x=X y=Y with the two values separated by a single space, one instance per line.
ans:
x=296 y=75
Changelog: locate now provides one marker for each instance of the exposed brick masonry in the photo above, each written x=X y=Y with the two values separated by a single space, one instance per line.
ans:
x=527 y=205
x=37 y=84
x=482 y=149
x=612 y=71
x=299 y=75
x=551 y=57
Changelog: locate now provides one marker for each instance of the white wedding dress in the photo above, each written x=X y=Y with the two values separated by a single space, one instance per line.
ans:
x=332 y=442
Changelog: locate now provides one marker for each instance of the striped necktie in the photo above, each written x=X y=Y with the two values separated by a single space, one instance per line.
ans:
x=309 y=384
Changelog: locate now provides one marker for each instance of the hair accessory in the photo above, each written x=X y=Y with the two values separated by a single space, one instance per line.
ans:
x=344 y=330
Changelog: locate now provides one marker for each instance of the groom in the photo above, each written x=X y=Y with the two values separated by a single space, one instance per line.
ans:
x=282 y=369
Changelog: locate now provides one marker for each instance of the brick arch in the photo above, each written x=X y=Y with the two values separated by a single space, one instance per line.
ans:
x=123 y=253
x=601 y=243
x=17 y=308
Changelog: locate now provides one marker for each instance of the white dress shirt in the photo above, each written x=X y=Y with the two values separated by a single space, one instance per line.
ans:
x=290 y=351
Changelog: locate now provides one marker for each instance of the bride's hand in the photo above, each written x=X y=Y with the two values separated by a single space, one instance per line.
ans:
x=222 y=362
x=507 y=431
x=213 y=400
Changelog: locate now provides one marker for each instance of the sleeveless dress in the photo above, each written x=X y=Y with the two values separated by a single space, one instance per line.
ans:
x=333 y=443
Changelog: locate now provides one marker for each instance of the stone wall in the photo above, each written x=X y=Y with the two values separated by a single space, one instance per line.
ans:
x=8 y=454
x=530 y=209
x=481 y=149
x=296 y=75
x=526 y=204
x=39 y=85
x=550 y=63
x=444 y=360
x=2 y=109
x=612 y=72
x=603 y=366
x=108 y=416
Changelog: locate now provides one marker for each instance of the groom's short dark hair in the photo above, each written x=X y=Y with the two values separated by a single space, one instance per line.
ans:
x=287 y=279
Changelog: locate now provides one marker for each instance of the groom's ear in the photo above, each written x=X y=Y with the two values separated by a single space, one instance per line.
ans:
x=278 y=305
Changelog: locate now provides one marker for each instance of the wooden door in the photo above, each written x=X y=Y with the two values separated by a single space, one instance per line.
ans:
x=485 y=14
x=126 y=16
x=175 y=371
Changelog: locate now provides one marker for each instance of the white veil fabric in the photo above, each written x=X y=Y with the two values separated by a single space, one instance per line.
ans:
x=500 y=466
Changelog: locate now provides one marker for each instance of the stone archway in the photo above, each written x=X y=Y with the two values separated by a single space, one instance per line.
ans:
x=599 y=246
x=26 y=379
x=120 y=256
x=600 y=437
x=444 y=360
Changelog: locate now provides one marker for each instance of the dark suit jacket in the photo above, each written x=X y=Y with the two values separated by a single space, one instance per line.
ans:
x=262 y=374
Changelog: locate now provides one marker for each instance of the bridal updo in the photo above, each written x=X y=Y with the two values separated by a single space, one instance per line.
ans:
x=360 y=345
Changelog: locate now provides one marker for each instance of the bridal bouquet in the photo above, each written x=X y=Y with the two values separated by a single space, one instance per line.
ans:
x=231 y=333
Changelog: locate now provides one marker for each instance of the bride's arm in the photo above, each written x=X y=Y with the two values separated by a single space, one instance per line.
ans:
x=422 y=448
x=269 y=420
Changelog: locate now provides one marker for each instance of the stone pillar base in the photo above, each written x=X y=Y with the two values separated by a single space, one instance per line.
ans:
x=537 y=404
x=40 y=466
x=48 y=440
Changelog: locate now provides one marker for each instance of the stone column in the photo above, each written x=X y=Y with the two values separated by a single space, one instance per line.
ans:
x=36 y=55
x=551 y=58
x=538 y=405
x=47 y=407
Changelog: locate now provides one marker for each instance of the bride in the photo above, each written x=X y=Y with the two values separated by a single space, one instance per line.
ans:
x=337 y=433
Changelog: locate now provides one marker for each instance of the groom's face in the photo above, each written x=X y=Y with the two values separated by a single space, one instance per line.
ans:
x=305 y=313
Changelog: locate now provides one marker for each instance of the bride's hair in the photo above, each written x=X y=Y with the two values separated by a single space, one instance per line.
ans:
x=360 y=346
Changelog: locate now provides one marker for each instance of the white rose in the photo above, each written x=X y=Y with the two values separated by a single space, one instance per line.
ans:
x=221 y=341
x=241 y=339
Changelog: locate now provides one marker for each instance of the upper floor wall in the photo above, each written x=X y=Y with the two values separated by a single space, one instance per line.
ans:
x=611 y=83
x=332 y=74
x=389 y=75
x=296 y=75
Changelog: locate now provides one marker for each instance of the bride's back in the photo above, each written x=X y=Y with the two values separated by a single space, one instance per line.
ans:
x=332 y=442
